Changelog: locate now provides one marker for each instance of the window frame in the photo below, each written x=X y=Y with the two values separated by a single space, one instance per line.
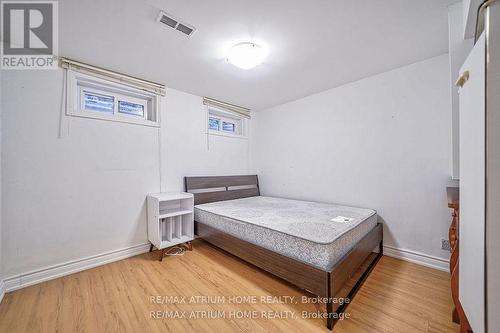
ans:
x=78 y=83
x=240 y=123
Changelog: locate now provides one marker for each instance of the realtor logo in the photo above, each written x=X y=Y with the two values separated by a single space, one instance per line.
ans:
x=29 y=35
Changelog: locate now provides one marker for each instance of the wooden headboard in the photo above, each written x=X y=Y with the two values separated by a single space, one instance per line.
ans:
x=220 y=188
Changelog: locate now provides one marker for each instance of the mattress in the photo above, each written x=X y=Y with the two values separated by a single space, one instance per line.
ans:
x=318 y=234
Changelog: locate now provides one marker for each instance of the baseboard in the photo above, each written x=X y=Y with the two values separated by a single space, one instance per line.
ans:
x=56 y=271
x=52 y=272
x=2 y=290
x=417 y=258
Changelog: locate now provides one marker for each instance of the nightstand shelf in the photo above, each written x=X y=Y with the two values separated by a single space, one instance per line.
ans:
x=170 y=219
x=173 y=212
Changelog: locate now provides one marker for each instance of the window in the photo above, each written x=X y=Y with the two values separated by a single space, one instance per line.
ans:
x=226 y=123
x=94 y=97
x=131 y=108
x=96 y=102
x=228 y=127
x=226 y=119
x=214 y=124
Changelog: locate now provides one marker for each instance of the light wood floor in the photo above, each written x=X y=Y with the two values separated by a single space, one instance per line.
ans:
x=397 y=297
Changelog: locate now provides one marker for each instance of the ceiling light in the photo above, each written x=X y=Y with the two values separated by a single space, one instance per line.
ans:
x=246 y=55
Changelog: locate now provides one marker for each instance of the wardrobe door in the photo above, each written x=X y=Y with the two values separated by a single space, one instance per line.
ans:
x=472 y=187
x=493 y=169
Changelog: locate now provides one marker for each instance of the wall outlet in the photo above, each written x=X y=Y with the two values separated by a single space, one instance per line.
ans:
x=445 y=244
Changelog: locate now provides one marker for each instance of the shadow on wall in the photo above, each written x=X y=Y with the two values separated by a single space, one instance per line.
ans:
x=142 y=217
x=388 y=236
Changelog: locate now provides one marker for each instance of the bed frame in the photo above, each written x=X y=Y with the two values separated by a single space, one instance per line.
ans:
x=338 y=282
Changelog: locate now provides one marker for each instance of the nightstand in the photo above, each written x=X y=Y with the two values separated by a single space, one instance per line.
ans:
x=170 y=220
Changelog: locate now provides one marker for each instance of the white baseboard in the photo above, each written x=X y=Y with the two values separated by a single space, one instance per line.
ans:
x=2 y=290
x=30 y=278
x=52 y=272
x=417 y=258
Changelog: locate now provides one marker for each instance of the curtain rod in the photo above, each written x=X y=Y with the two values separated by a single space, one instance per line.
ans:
x=235 y=108
x=67 y=63
x=215 y=101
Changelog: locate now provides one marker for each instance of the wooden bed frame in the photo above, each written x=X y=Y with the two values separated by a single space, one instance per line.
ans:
x=340 y=281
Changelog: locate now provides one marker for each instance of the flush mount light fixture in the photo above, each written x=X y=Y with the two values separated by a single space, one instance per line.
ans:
x=246 y=55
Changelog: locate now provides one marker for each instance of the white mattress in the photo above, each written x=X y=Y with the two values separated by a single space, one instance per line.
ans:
x=306 y=231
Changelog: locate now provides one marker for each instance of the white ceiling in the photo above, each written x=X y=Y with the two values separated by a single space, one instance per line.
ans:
x=313 y=45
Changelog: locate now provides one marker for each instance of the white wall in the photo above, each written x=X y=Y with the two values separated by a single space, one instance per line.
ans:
x=382 y=142
x=185 y=146
x=84 y=194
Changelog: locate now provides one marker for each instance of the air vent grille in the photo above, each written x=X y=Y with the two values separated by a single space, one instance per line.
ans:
x=168 y=21
x=185 y=29
x=173 y=23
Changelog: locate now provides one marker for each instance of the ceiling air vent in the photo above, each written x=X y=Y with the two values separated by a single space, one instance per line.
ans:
x=174 y=23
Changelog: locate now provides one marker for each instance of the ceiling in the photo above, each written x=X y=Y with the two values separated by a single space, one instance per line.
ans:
x=313 y=45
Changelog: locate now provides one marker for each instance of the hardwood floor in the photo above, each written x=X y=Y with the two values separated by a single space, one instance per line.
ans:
x=397 y=297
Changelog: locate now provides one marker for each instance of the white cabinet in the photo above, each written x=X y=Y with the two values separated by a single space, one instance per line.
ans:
x=170 y=218
x=479 y=229
x=472 y=97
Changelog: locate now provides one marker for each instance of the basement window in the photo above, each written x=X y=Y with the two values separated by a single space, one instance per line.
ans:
x=226 y=123
x=97 y=102
x=96 y=97
x=130 y=108
x=213 y=124
x=228 y=126
x=226 y=119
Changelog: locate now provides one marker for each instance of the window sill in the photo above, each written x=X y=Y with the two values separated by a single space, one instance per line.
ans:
x=92 y=115
x=229 y=135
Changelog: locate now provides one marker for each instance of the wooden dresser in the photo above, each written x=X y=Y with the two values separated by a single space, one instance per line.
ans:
x=458 y=314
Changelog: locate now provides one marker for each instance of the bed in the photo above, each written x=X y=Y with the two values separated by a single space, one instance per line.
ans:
x=325 y=249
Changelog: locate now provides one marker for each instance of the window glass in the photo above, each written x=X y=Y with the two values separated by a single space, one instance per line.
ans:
x=228 y=127
x=100 y=103
x=214 y=124
x=131 y=108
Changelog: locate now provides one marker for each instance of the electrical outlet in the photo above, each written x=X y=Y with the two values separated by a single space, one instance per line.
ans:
x=445 y=244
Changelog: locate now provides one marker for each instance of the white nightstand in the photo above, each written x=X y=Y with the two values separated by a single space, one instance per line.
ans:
x=170 y=220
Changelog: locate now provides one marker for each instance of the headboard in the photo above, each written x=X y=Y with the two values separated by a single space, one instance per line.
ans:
x=220 y=188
